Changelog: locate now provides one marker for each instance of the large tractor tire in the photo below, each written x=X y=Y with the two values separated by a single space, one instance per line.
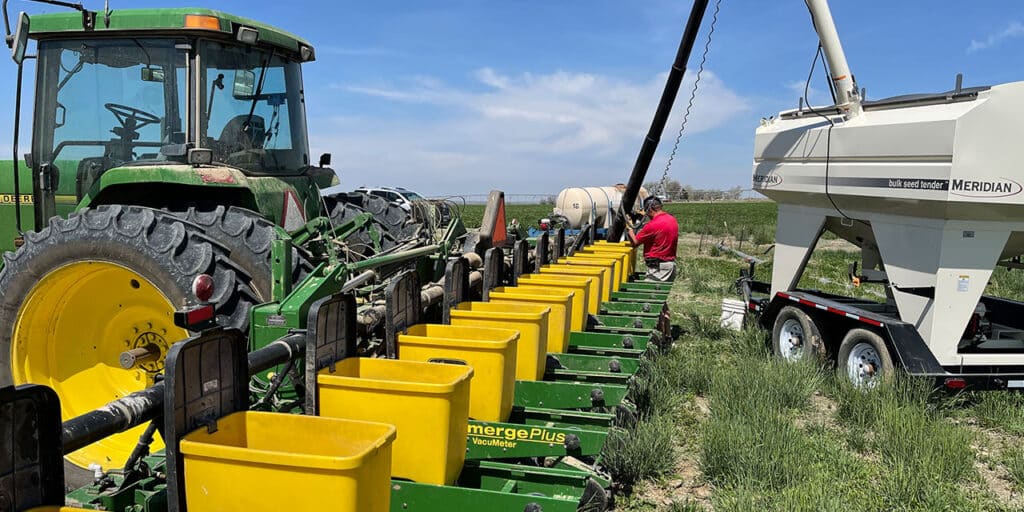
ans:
x=248 y=236
x=372 y=239
x=86 y=288
x=390 y=214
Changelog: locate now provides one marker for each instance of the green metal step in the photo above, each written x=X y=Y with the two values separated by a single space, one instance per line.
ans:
x=486 y=485
x=639 y=297
x=640 y=309
x=589 y=363
x=598 y=340
x=568 y=395
x=637 y=286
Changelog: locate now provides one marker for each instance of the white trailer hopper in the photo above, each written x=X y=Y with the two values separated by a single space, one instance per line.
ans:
x=930 y=188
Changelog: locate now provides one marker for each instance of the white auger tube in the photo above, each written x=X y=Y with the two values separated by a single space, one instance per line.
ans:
x=847 y=96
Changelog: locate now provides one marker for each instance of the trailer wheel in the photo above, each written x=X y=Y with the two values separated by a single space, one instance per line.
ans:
x=105 y=280
x=795 y=337
x=864 y=358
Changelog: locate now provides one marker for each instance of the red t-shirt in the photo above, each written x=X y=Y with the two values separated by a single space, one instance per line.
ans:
x=660 y=237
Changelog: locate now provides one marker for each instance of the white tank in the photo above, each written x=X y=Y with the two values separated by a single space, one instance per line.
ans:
x=591 y=204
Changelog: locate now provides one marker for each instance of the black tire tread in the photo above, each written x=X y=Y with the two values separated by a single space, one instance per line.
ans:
x=814 y=345
x=359 y=242
x=859 y=335
x=133 y=236
x=390 y=214
x=249 y=237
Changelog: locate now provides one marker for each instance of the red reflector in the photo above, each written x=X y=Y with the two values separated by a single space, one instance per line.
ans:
x=955 y=383
x=202 y=287
x=199 y=315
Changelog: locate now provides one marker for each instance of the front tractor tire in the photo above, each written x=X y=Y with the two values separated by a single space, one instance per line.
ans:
x=87 y=288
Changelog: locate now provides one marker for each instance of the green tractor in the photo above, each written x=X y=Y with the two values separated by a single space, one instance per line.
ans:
x=169 y=206
x=169 y=153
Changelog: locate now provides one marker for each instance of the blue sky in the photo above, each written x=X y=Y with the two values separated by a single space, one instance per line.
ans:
x=458 y=97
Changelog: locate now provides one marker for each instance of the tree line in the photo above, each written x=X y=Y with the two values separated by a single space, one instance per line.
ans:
x=676 y=191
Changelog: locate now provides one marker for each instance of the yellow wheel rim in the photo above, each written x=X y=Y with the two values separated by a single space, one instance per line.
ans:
x=69 y=335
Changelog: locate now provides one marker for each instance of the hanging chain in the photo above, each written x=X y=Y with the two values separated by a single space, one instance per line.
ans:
x=663 y=184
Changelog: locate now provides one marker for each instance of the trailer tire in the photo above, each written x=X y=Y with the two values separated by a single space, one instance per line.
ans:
x=864 y=358
x=249 y=236
x=795 y=337
x=86 y=288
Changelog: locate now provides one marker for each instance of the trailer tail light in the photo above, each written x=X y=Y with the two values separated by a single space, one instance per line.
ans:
x=202 y=22
x=202 y=287
x=955 y=383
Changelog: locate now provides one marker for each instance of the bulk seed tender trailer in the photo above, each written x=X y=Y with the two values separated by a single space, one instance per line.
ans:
x=928 y=187
x=310 y=369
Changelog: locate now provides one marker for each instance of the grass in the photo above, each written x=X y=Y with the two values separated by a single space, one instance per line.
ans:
x=526 y=214
x=750 y=433
x=1003 y=411
x=1013 y=459
x=643 y=453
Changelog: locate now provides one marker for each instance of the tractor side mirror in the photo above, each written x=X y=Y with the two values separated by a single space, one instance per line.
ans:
x=244 y=85
x=152 y=75
x=325 y=160
x=20 y=43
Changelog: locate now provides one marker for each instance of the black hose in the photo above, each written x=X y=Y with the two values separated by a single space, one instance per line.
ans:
x=668 y=96
x=275 y=384
x=142 y=406
x=142 y=447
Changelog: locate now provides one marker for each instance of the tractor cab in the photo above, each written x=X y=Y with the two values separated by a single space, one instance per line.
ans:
x=152 y=106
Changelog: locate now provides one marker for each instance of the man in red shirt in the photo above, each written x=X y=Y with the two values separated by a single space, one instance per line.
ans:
x=659 y=237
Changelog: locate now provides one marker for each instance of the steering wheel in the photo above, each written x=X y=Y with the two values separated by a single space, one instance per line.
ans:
x=123 y=113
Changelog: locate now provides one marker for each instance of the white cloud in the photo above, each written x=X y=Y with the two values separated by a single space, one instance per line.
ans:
x=489 y=77
x=521 y=133
x=1014 y=29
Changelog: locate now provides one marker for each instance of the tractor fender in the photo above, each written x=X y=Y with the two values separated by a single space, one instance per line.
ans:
x=178 y=187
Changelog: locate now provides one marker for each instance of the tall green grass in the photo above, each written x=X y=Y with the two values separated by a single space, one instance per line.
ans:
x=1001 y=410
x=646 y=452
x=782 y=437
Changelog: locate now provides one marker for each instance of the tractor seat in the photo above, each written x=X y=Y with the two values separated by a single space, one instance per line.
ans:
x=237 y=135
x=89 y=171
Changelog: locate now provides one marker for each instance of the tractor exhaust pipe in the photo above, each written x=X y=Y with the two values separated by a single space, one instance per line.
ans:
x=668 y=98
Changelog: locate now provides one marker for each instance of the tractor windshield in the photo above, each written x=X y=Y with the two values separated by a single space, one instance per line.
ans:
x=252 y=109
x=106 y=103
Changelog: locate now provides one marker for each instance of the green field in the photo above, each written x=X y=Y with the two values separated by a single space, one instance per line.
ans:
x=732 y=429
x=748 y=219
